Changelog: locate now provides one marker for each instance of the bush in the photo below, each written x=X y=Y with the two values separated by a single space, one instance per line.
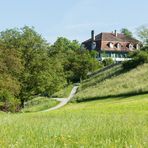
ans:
x=137 y=58
x=145 y=48
x=8 y=103
x=107 y=61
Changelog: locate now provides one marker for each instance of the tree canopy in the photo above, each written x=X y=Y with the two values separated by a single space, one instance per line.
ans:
x=142 y=32
x=126 y=32
x=30 y=66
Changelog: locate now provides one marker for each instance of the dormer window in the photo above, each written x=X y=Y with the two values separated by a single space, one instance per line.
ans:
x=111 y=45
x=93 y=46
x=130 y=47
x=118 y=45
x=137 y=46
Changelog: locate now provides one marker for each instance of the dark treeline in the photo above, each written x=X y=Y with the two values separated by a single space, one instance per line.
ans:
x=30 y=66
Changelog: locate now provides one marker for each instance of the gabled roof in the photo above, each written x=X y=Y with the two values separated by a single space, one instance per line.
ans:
x=111 y=37
x=103 y=39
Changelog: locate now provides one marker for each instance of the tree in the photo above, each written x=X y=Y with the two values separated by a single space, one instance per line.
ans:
x=10 y=69
x=40 y=75
x=76 y=62
x=63 y=45
x=30 y=66
x=137 y=58
x=126 y=32
x=142 y=32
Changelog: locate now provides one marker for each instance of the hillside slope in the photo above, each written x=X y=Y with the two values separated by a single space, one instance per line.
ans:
x=114 y=83
x=115 y=121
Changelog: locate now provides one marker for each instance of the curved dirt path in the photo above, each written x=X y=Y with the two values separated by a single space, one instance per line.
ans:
x=63 y=101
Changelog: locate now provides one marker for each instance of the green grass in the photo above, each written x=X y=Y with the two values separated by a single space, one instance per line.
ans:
x=115 y=83
x=1 y=113
x=64 y=93
x=39 y=104
x=108 y=117
x=98 y=77
x=113 y=122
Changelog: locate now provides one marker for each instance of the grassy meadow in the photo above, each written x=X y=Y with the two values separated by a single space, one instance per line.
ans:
x=39 y=104
x=114 y=83
x=64 y=93
x=110 y=110
x=113 y=122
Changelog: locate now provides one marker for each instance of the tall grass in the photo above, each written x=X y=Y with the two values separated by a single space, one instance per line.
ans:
x=39 y=104
x=115 y=83
x=99 y=77
x=120 y=122
x=64 y=93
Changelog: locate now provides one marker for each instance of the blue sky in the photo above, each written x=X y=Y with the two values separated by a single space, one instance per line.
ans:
x=73 y=19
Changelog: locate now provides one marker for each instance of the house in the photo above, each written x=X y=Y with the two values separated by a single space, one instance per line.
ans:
x=114 y=45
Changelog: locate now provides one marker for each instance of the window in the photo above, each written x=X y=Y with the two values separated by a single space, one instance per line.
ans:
x=116 y=55
x=137 y=46
x=93 y=46
x=108 y=54
x=130 y=46
x=112 y=55
x=118 y=45
x=111 y=45
x=125 y=55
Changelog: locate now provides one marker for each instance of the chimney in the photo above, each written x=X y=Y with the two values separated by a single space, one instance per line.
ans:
x=116 y=33
x=92 y=35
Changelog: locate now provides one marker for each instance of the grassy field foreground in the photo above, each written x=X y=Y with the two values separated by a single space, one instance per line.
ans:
x=113 y=122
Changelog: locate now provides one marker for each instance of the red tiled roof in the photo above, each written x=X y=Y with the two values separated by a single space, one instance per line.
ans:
x=105 y=38
x=111 y=37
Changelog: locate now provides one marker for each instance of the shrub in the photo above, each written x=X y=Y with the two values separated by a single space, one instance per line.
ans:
x=107 y=61
x=145 y=48
x=8 y=102
x=137 y=58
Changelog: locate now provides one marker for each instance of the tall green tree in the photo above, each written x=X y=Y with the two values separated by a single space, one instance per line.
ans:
x=126 y=32
x=40 y=74
x=30 y=66
x=77 y=62
x=10 y=70
x=142 y=32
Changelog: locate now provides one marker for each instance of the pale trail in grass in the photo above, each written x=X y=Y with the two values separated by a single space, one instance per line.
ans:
x=63 y=101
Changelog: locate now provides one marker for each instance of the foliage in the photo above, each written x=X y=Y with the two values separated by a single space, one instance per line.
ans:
x=26 y=68
x=30 y=66
x=76 y=62
x=10 y=69
x=63 y=93
x=78 y=65
x=107 y=61
x=39 y=104
x=137 y=58
x=145 y=48
x=126 y=32
x=93 y=53
x=142 y=32
x=114 y=82
x=8 y=103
